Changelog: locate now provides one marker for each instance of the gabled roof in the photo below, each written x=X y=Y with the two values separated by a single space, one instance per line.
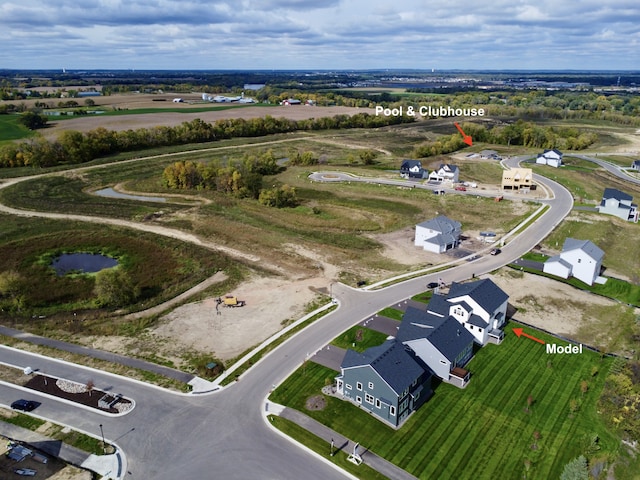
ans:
x=438 y=305
x=560 y=260
x=554 y=150
x=417 y=323
x=477 y=321
x=586 y=246
x=615 y=193
x=444 y=333
x=448 y=168
x=442 y=240
x=390 y=361
x=484 y=292
x=407 y=164
x=450 y=338
x=636 y=163
x=441 y=224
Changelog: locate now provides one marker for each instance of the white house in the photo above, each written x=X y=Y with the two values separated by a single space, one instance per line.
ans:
x=615 y=202
x=553 y=158
x=446 y=173
x=438 y=234
x=581 y=259
x=412 y=169
x=480 y=306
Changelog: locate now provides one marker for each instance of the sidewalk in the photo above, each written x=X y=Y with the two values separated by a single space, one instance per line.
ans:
x=383 y=466
x=108 y=466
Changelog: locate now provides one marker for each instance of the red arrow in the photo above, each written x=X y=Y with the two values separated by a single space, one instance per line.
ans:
x=465 y=138
x=518 y=332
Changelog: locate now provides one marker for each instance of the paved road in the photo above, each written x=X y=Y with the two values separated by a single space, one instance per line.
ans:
x=611 y=168
x=169 y=436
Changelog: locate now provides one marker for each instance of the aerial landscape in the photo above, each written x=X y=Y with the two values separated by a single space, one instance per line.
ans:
x=285 y=240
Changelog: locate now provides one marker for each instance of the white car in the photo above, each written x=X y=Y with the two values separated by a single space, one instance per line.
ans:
x=25 y=472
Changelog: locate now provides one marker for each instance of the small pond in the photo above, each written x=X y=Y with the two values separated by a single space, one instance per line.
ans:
x=111 y=193
x=82 y=262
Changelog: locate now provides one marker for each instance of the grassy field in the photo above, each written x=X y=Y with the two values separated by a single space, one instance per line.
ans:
x=618 y=239
x=447 y=437
x=11 y=129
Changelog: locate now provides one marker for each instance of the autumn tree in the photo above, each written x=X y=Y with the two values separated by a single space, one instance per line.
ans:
x=114 y=287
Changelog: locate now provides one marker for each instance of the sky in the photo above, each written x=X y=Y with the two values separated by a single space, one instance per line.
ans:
x=320 y=34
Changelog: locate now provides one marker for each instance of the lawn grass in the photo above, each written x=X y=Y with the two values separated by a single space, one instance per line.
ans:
x=323 y=448
x=424 y=297
x=447 y=437
x=391 y=312
x=11 y=129
x=24 y=421
x=359 y=338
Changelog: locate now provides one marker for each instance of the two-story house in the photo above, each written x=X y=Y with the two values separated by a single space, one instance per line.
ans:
x=438 y=234
x=553 y=158
x=413 y=169
x=620 y=204
x=480 y=306
x=445 y=173
x=581 y=259
x=385 y=380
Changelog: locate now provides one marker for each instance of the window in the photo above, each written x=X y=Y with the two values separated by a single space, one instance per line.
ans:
x=392 y=410
x=370 y=385
x=377 y=403
x=358 y=399
x=368 y=398
x=359 y=385
x=443 y=362
x=348 y=386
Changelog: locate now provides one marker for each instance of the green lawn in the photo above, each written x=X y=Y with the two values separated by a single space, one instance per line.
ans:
x=391 y=312
x=359 y=339
x=11 y=129
x=483 y=431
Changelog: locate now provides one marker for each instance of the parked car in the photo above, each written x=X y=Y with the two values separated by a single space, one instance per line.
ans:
x=24 y=405
x=432 y=285
x=496 y=251
x=461 y=188
x=25 y=472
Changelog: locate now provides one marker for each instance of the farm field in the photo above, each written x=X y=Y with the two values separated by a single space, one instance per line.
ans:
x=446 y=437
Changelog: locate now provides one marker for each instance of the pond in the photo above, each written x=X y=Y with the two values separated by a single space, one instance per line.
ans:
x=82 y=262
x=111 y=193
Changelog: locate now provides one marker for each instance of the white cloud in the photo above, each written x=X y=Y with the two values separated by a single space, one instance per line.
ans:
x=497 y=34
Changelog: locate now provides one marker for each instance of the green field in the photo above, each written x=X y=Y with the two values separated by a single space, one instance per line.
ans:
x=11 y=129
x=448 y=436
x=359 y=339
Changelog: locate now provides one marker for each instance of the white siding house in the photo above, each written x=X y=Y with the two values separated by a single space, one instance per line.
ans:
x=446 y=173
x=620 y=204
x=438 y=234
x=581 y=259
x=553 y=158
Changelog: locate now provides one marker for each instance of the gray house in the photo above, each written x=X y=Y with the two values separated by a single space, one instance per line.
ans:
x=635 y=165
x=413 y=169
x=441 y=343
x=615 y=202
x=438 y=234
x=385 y=380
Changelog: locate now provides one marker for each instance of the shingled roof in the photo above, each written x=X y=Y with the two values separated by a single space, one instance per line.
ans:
x=485 y=293
x=390 y=361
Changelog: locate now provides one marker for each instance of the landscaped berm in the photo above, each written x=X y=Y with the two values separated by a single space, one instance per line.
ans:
x=540 y=409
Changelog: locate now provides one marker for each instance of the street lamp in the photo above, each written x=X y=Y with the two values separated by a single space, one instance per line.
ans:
x=104 y=446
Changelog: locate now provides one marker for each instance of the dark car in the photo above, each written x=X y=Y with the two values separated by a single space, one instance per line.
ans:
x=496 y=251
x=24 y=405
x=432 y=285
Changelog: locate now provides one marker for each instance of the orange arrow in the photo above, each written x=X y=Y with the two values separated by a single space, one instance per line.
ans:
x=518 y=332
x=465 y=138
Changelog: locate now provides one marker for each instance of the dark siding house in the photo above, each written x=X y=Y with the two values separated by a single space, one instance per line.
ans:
x=385 y=380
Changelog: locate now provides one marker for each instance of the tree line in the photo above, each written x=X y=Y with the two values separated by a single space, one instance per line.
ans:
x=73 y=147
x=522 y=133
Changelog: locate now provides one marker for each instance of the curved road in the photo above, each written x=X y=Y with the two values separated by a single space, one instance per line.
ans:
x=224 y=435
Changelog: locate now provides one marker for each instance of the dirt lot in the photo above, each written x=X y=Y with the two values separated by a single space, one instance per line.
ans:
x=542 y=302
